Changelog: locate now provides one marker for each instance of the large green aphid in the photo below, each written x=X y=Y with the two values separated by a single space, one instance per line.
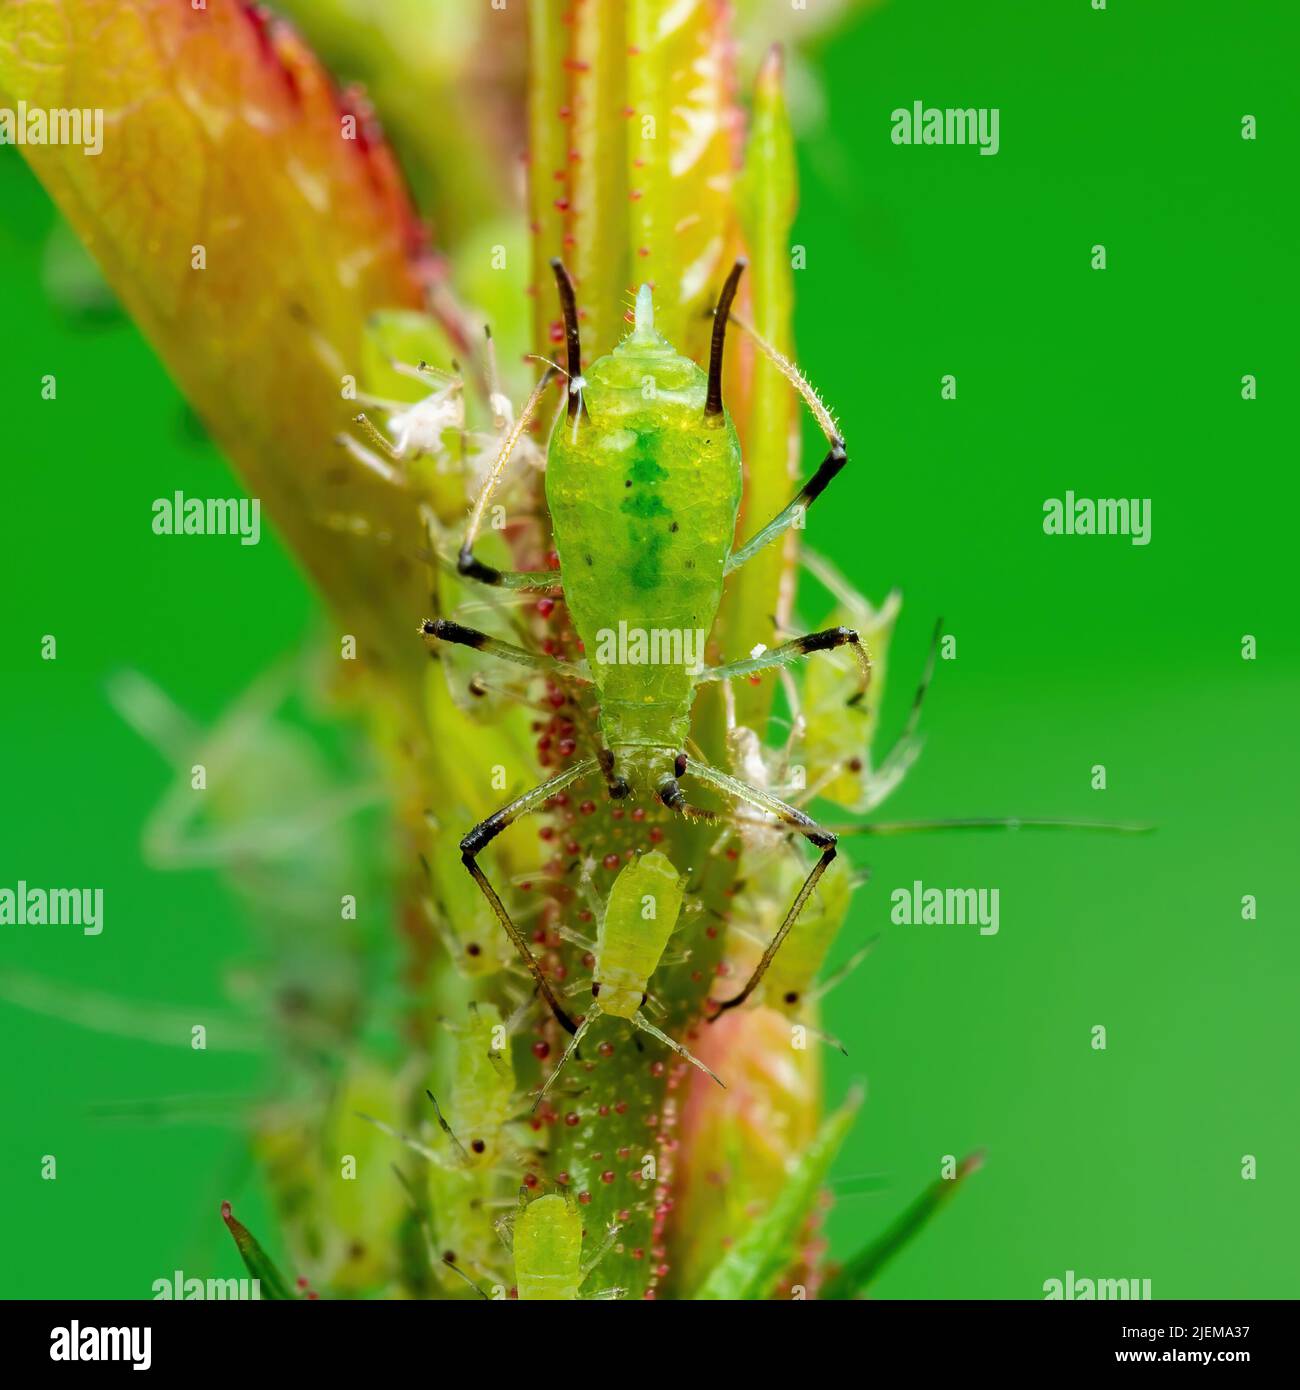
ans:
x=639 y=918
x=643 y=482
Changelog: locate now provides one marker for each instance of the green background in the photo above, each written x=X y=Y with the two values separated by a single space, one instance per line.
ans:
x=1120 y=128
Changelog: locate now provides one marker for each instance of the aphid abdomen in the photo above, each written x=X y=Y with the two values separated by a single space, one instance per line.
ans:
x=644 y=490
x=548 y=1250
x=640 y=916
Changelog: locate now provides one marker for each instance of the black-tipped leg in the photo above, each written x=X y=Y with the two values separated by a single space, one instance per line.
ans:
x=466 y=562
x=447 y=631
x=573 y=342
x=478 y=840
x=818 y=835
x=827 y=640
x=713 y=401
x=794 y=511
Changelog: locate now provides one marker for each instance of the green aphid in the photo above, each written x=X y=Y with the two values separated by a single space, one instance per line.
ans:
x=482 y=1096
x=548 y=1251
x=639 y=919
x=789 y=982
x=643 y=482
x=790 y=985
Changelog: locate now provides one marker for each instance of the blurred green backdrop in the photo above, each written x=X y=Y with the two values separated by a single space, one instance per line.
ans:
x=1120 y=127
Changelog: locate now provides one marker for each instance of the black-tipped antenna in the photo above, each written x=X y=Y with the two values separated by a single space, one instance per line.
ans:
x=713 y=402
x=569 y=306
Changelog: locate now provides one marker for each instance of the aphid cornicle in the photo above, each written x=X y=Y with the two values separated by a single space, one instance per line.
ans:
x=643 y=481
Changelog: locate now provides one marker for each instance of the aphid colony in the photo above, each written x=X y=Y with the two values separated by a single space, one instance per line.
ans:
x=643 y=484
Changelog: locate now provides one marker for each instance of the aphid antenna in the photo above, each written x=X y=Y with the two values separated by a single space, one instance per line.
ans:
x=911 y=827
x=646 y=1026
x=838 y=977
x=413 y=1144
x=428 y=375
x=501 y=417
x=554 y=366
x=823 y=1036
x=451 y=1264
x=860 y=877
x=446 y=1128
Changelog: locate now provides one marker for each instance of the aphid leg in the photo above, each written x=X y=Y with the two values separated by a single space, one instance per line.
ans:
x=787 y=652
x=842 y=974
x=446 y=1128
x=466 y=564
x=646 y=1026
x=817 y=835
x=574 y=1043
x=602 y=1250
x=370 y=460
x=484 y=833
x=447 y=631
x=835 y=459
x=413 y=1144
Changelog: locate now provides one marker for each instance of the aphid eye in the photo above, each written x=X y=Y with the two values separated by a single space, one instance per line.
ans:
x=473 y=949
x=644 y=997
x=855 y=764
x=679 y=765
x=791 y=997
x=478 y=1146
x=595 y=987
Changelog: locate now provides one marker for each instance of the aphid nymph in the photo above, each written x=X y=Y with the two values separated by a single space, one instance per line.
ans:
x=640 y=916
